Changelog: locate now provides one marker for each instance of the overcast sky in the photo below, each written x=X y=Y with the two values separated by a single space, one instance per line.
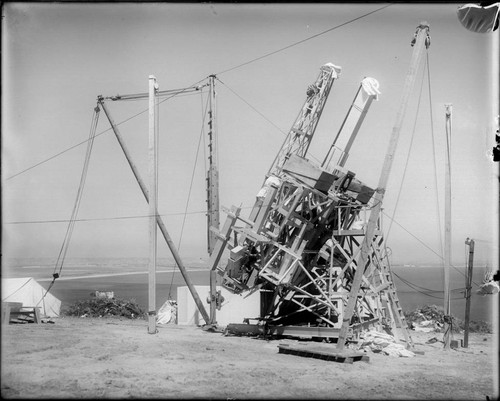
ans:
x=57 y=58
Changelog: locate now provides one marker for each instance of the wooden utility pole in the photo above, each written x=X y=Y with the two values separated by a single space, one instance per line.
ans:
x=213 y=216
x=421 y=40
x=153 y=201
x=447 y=233
x=159 y=220
x=468 y=288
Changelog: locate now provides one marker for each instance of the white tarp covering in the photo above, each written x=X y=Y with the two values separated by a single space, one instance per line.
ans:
x=167 y=313
x=28 y=291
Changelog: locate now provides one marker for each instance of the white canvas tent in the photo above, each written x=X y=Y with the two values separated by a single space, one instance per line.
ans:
x=28 y=291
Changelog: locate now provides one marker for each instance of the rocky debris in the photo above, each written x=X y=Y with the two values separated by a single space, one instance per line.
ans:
x=102 y=307
x=380 y=342
x=430 y=318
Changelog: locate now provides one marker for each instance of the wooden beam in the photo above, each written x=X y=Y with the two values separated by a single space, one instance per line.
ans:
x=468 y=288
x=153 y=201
x=213 y=214
x=420 y=41
x=223 y=237
x=159 y=220
x=447 y=232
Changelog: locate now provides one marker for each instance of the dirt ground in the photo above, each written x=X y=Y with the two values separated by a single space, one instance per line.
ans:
x=113 y=358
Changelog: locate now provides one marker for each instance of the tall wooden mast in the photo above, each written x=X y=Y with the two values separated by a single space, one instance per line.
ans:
x=153 y=200
x=447 y=232
x=421 y=39
x=213 y=171
x=159 y=220
x=212 y=195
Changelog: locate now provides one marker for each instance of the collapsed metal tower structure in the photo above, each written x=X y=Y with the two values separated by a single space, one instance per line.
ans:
x=312 y=244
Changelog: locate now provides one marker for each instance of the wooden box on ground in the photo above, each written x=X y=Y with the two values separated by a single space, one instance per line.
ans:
x=15 y=312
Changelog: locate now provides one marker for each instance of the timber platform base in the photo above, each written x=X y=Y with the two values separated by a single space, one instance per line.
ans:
x=283 y=331
x=344 y=356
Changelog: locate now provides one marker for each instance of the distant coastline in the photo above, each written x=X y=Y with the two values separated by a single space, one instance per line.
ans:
x=127 y=277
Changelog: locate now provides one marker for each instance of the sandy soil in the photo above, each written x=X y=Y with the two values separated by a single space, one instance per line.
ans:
x=113 y=358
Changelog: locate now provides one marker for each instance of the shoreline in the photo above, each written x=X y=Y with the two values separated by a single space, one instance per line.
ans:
x=128 y=281
x=90 y=276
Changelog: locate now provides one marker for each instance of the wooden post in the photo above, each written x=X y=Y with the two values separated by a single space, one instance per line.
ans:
x=420 y=40
x=213 y=215
x=159 y=220
x=153 y=200
x=447 y=233
x=213 y=297
x=468 y=288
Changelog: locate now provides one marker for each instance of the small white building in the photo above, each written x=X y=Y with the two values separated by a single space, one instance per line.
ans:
x=234 y=308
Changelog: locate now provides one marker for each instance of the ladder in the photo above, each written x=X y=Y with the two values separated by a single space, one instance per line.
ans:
x=397 y=315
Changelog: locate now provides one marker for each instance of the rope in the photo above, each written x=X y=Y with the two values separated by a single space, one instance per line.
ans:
x=113 y=218
x=434 y=155
x=253 y=108
x=435 y=178
x=204 y=113
x=8 y=296
x=69 y=231
x=407 y=158
x=194 y=84
x=76 y=207
x=262 y=115
x=99 y=134
x=145 y=95
x=302 y=41
x=427 y=246
x=140 y=99
x=422 y=290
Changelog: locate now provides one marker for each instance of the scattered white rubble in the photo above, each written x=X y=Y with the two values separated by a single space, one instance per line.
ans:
x=381 y=342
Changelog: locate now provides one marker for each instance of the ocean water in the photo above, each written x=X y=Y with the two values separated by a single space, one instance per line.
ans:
x=427 y=289
x=128 y=278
